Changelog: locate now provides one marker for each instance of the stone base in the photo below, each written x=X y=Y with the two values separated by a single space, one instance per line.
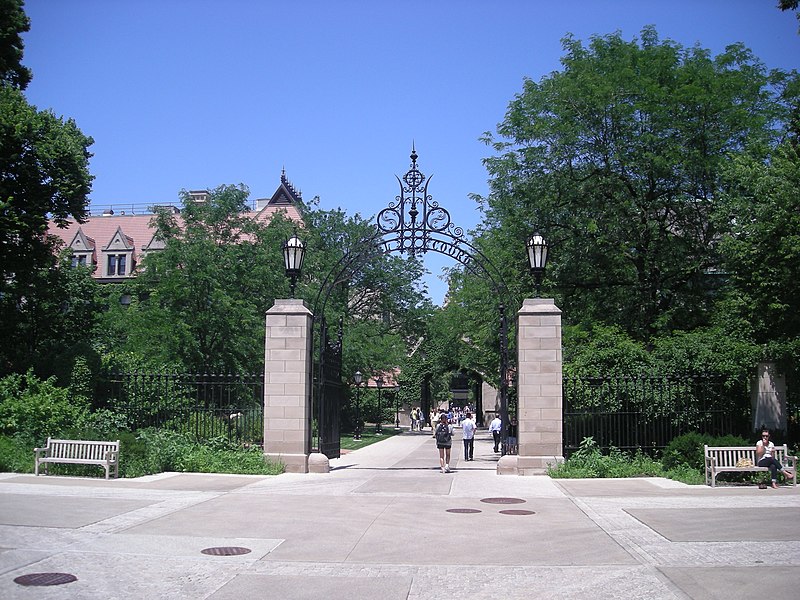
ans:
x=526 y=465
x=507 y=465
x=318 y=463
x=293 y=463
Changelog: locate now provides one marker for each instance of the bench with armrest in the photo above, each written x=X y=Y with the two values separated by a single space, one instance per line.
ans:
x=78 y=452
x=741 y=459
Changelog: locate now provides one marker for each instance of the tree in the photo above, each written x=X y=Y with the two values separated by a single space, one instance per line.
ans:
x=200 y=302
x=43 y=173
x=616 y=159
x=761 y=247
x=13 y=22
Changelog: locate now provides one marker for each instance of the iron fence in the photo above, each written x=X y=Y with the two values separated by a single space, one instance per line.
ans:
x=206 y=406
x=647 y=412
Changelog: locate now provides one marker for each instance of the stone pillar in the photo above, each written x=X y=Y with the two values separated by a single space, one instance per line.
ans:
x=539 y=393
x=287 y=385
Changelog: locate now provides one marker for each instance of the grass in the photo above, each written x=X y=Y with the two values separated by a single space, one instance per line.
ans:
x=368 y=437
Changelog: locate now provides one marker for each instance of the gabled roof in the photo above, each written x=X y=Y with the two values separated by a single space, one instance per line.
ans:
x=285 y=194
x=120 y=241
x=81 y=243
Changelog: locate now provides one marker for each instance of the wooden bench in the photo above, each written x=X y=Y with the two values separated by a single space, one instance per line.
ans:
x=723 y=459
x=78 y=452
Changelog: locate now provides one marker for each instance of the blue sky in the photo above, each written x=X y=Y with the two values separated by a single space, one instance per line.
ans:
x=192 y=94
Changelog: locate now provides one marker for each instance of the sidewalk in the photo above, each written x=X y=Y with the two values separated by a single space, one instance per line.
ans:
x=386 y=523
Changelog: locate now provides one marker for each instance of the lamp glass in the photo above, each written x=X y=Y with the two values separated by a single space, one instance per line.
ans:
x=537 y=252
x=294 y=251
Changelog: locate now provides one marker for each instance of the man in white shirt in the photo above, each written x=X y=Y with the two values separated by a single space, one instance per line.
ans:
x=468 y=427
x=496 y=426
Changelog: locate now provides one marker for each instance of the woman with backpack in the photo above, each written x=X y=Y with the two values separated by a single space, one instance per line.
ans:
x=444 y=441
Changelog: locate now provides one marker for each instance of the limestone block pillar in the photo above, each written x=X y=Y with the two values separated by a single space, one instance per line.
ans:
x=287 y=384
x=539 y=387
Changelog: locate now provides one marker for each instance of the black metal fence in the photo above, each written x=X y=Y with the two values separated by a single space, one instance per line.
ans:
x=647 y=412
x=205 y=405
x=627 y=413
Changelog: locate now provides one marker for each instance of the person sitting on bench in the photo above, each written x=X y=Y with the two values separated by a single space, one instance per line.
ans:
x=764 y=458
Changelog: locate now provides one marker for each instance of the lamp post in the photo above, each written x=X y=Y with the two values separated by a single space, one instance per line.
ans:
x=379 y=385
x=294 y=251
x=357 y=379
x=537 y=259
x=396 y=411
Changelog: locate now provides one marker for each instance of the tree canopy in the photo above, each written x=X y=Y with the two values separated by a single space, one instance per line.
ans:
x=44 y=174
x=617 y=159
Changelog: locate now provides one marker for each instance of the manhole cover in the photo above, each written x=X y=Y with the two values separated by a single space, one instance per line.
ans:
x=45 y=579
x=226 y=551
x=463 y=510
x=503 y=500
x=517 y=512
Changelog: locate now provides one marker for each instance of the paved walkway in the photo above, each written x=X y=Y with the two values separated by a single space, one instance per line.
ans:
x=386 y=524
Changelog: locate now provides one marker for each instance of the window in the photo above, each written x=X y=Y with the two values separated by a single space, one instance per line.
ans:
x=116 y=264
x=79 y=260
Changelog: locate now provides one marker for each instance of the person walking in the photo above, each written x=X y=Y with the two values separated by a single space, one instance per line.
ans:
x=495 y=427
x=444 y=442
x=468 y=427
x=764 y=458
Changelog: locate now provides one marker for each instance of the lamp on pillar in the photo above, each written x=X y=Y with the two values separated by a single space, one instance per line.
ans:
x=357 y=379
x=537 y=258
x=379 y=385
x=294 y=251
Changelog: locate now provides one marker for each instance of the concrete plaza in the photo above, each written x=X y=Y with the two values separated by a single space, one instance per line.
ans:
x=386 y=524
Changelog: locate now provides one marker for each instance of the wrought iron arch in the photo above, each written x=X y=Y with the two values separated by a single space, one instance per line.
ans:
x=414 y=224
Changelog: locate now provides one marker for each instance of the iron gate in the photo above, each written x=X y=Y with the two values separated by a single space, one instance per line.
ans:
x=331 y=391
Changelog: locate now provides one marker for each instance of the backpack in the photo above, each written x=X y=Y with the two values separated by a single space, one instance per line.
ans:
x=443 y=436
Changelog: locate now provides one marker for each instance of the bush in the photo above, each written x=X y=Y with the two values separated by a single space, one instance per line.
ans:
x=156 y=451
x=16 y=455
x=687 y=449
x=589 y=462
x=36 y=409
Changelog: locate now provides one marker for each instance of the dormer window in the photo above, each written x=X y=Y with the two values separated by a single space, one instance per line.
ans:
x=116 y=265
x=78 y=260
x=118 y=256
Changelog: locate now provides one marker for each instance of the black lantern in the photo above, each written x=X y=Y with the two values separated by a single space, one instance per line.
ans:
x=537 y=258
x=379 y=385
x=294 y=251
x=357 y=379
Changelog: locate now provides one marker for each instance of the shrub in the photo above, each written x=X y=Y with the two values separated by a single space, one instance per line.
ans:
x=37 y=409
x=589 y=462
x=685 y=450
x=16 y=455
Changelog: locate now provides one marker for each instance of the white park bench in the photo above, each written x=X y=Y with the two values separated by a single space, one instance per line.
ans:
x=740 y=459
x=78 y=452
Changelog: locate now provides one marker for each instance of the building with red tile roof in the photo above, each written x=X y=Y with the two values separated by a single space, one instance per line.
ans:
x=115 y=243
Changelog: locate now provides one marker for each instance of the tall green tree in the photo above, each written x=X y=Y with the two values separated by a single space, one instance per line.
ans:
x=761 y=247
x=44 y=173
x=200 y=302
x=616 y=159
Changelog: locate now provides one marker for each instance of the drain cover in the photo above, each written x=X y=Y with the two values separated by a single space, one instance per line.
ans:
x=517 y=512
x=503 y=500
x=45 y=579
x=226 y=551
x=463 y=510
